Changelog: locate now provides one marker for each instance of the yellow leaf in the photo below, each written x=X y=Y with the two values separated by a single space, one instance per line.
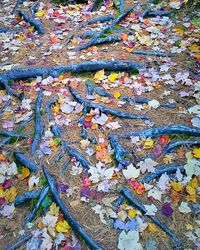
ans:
x=62 y=226
x=40 y=13
x=10 y=194
x=2 y=194
x=196 y=152
x=84 y=143
x=54 y=210
x=100 y=75
x=112 y=77
x=190 y=190
x=194 y=183
x=56 y=108
x=179 y=31
x=21 y=38
x=25 y=173
x=152 y=228
x=116 y=94
x=132 y=213
x=148 y=143
x=129 y=50
x=194 y=48
x=40 y=224
x=177 y=186
x=192 y=198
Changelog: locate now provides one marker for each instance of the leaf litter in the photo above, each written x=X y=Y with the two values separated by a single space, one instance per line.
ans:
x=89 y=195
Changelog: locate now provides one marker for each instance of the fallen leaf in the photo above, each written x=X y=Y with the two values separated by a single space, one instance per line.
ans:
x=100 y=75
x=131 y=172
x=62 y=226
x=24 y=173
x=113 y=77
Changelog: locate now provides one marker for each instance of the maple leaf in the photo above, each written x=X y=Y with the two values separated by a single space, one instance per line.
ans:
x=147 y=165
x=54 y=210
x=112 y=77
x=100 y=75
x=196 y=152
x=131 y=172
x=62 y=226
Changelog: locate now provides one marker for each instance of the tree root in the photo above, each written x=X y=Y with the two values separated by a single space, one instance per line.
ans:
x=103 y=109
x=19 y=242
x=119 y=151
x=74 y=224
x=26 y=197
x=100 y=19
x=35 y=23
x=32 y=214
x=25 y=161
x=151 y=53
x=162 y=170
x=176 y=144
x=178 y=242
x=39 y=126
x=101 y=33
x=165 y=130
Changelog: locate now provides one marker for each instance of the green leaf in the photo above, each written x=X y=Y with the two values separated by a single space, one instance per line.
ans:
x=196 y=21
x=46 y=202
x=57 y=141
x=43 y=182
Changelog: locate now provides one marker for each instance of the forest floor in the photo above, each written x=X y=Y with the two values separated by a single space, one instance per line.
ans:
x=172 y=86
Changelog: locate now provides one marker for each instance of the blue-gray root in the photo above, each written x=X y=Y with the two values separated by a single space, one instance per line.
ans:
x=116 y=203
x=74 y=153
x=24 y=73
x=6 y=29
x=151 y=53
x=27 y=162
x=100 y=19
x=35 y=23
x=92 y=88
x=119 y=152
x=19 y=242
x=27 y=196
x=84 y=133
x=160 y=13
x=65 y=166
x=108 y=39
x=67 y=215
x=7 y=139
x=168 y=169
x=34 y=8
x=13 y=134
x=16 y=5
x=176 y=144
x=48 y=105
x=57 y=131
x=178 y=242
x=165 y=130
x=102 y=32
x=39 y=126
x=103 y=109
x=33 y=213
